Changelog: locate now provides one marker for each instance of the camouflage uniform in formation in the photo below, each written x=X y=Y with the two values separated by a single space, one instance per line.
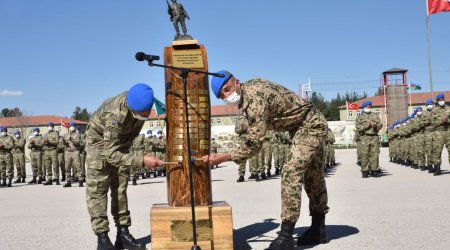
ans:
x=6 y=159
x=72 y=143
x=214 y=147
x=19 y=159
x=367 y=126
x=110 y=134
x=268 y=146
x=35 y=144
x=138 y=150
x=160 y=152
x=83 y=155
x=441 y=136
x=240 y=128
x=61 y=161
x=270 y=106
x=50 y=158
x=329 y=150
x=149 y=143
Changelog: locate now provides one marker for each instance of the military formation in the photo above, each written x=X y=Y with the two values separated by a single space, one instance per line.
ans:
x=418 y=140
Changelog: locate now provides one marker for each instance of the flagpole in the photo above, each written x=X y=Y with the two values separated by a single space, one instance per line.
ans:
x=429 y=54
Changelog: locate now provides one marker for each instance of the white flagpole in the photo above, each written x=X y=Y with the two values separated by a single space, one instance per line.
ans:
x=429 y=53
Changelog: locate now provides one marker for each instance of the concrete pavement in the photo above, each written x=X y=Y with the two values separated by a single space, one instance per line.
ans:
x=403 y=209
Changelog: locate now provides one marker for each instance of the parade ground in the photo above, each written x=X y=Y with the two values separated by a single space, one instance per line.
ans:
x=403 y=209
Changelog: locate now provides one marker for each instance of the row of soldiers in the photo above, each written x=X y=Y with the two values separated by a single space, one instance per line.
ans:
x=417 y=141
x=49 y=154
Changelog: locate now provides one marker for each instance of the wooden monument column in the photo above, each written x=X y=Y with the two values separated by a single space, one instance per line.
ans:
x=171 y=223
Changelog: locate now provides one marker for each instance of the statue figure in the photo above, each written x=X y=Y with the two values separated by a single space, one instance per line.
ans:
x=177 y=15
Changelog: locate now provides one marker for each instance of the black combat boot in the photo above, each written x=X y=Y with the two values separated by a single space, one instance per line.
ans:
x=284 y=241
x=257 y=177
x=39 y=180
x=143 y=175
x=252 y=176
x=437 y=169
x=23 y=179
x=241 y=179
x=390 y=159
x=268 y=173
x=333 y=163
x=423 y=168
x=49 y=182
x=263 y=176
x=125 y=240
x=134 y=182
x=33 y=181
x=9 y=182
x=80 y=183
x=103 y=242
x=63 y=178
x=374 y=173
x=277 y=171
x=4 y=183
x=18 y=180
x=316 y=234
x=430 y=169
x=365 y=174
x=56 y=181
x=68 y=183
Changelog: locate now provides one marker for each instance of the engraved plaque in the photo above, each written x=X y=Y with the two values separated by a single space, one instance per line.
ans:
x=188 y=58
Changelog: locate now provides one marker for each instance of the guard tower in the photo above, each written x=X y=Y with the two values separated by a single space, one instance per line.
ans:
x=394 y=83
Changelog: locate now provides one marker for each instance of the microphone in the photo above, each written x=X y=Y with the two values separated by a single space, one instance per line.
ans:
x=141 y=56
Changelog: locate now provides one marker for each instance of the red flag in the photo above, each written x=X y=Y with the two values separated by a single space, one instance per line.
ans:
x=436 y=6
x=64 y=124
x=352 y=106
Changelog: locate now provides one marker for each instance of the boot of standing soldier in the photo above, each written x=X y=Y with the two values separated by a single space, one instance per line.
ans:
x=68 y=183
x=125 y=240
x=103 y=242
x=316 y=234
x=9 y=182
x=19 y=180
x=437 y=169
x=284 y=241
x=4 y=183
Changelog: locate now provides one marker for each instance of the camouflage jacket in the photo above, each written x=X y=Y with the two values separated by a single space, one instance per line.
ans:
x=269 y=106
x=426 y=121
x=6 y=143
x=19 y=145
x=330 y=138
x=363 y=124
x=160 y=145
x=111 y=131
x=72 y=141
x=214 y=147
x=437 y=114
x=51 y=140
x=149 y=143
x=36 y=143
x=83 y=143
x=138 y=144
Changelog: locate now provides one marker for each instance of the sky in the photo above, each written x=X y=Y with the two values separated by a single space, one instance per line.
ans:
x=56 y=55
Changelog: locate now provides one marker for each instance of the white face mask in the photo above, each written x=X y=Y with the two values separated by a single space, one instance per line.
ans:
x=430 y=106
x=441 y=103
x=17 y=136
x=159 y=135
x=233 y=99
x=141 y=118
x=49 y=129
x=3 y=134
x=367 y=110
x=72 y=129
x=35 y=133
x=419 y=113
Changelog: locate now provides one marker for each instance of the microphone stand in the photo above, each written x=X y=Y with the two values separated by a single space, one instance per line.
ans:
x=184 y=75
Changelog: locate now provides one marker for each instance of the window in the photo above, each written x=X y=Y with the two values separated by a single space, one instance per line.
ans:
x=350 y=114
x=358 y=113
x=377 y=112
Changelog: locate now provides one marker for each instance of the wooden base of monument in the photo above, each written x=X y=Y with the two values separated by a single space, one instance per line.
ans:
x=171 y=227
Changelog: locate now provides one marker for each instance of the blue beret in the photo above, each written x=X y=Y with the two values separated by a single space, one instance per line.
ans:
x=140 y=97
x=418 y=108
x=3 y=129
x=428 y=102
x=439 y=97
x=159 y=132
x=71 y=124
x=149 y=131
x=35 y=129
x=17 y=132
x=218 y=82
x=50 y=124
x=366 y=103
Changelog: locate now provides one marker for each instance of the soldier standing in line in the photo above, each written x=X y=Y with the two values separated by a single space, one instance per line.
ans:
x=442 y=134
x=149 y=150
x=277 y=153
x=61 y=162
x=160 y=151
x=110 y=134
x=19 y=157
x=50 y=158
x=82 y=153
x=268 y=145
x=35 y=144
x=429 y=134
x=214 y=147
x=419 y=140
x=328 y=149
x=6 y=158
x=367 y=126
x=137 y=148
x=266 y=106
x=240 y=129
x=72 y=142
x=356 y=140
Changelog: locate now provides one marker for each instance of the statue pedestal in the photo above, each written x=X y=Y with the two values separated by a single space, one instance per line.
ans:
x=171 y=227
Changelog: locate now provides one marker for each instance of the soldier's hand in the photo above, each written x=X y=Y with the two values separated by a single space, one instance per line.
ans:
x=151 y=162
x=444 y=119
x=216 y=159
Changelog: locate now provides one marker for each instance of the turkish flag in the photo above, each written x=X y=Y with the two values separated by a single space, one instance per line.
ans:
x=436 y=6
x=352 y=106
x=64 y=124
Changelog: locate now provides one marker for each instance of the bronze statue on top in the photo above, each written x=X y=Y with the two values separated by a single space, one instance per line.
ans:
x=177 y=15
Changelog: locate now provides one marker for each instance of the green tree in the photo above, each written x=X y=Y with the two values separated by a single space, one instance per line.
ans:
x=15 y=112
x=81 y=114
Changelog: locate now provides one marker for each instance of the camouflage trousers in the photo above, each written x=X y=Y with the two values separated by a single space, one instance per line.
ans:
x=36 y=163
x=255 y=165
x=62 y=164
x=242 y=167
x=304 y=167
x=135 y=169
x=6 y=165
x=428 y=138
x=267 y=155
x=19 y=161
x=358 y=151
x=50 y=160
x=369 y=152
x=276 y=155
x=72 y=163
x=441 y=139
x=101 y=177
x=328 y=152
x=419 y=149
x=83 y=163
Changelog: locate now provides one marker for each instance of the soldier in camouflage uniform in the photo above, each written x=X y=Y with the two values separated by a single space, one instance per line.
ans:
x=329 y=150
x=240 y=128
x=367 y=126
x=82 y=154
x=35 y=144
x=160 y=151
x=72 y=142
x=137 y=149
x=214 y=147
x=109 y=137
x=6 y=158
x=268 y=145
x=429 y=134
x=148 y=150
x=61 y=161
x=440 y=120
x=266 y=106
x=19 y=157
x=50 y=158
